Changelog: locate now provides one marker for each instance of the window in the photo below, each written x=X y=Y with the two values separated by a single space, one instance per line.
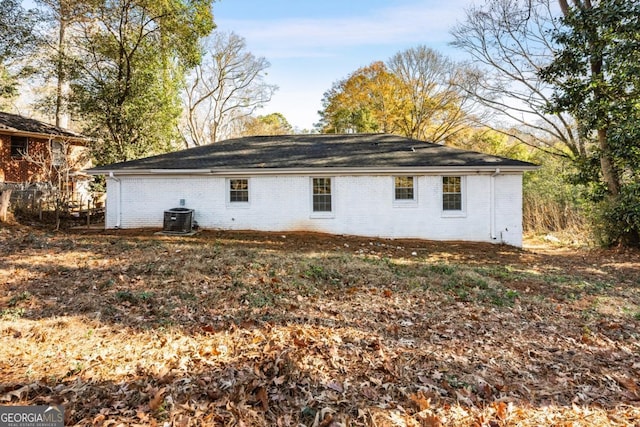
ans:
x=404 y=187
x=322 y=194
x=19 y=146
x=451 y=193
x=238 y=190
x=57 y=154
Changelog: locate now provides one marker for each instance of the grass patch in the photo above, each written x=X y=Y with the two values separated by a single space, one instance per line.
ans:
x=17 y=299
x=323 y=275
x=134 y=297
x=505 y=273
x=442 y=269
x=258 y=298
x=12 y=313
x=468 y=284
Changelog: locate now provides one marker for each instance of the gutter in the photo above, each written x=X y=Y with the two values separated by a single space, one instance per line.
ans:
x=119 y=201
x=319 y=171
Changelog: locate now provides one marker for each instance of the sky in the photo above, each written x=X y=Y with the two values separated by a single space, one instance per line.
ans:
x=310 y=43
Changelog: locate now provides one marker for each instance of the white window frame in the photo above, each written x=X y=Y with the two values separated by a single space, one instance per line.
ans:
x=463 y=205
x=332 y=184
x=405 y=202
x=228 y=190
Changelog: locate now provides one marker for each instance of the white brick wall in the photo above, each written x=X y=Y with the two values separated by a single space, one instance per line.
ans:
x=508 y=199
x=362 y=205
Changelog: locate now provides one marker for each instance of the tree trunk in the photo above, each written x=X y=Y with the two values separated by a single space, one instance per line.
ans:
x=564 y=6
x=60 y=71
x=609 y=173
x=608 y=169
x=5 y=197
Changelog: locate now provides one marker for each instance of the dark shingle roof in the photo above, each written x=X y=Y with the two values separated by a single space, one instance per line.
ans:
x=13 y=123
x=364 y=151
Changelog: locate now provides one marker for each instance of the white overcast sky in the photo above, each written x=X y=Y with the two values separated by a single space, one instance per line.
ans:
x=311 y=44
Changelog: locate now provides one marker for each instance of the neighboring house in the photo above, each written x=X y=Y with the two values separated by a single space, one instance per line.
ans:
x=373 y=185
x=33 y=152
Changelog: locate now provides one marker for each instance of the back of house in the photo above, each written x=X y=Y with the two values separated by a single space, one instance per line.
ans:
x=373 y=185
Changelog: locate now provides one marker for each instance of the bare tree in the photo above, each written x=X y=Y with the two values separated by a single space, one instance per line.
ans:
x=228 y=86
x=434 y=107
x=56 y=166
x=511 y=41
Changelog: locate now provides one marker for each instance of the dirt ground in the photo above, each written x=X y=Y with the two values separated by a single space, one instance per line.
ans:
x=246 y=328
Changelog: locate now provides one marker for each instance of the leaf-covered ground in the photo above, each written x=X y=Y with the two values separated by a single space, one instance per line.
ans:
x=259 y=329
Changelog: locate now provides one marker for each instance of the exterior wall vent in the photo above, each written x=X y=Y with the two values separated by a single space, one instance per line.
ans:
x=178 y=221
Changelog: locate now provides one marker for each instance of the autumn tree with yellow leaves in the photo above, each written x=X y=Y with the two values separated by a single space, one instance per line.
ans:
x=415 y=94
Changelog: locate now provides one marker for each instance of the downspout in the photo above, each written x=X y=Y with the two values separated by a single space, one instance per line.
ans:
x=492 y=204
x=118 y=202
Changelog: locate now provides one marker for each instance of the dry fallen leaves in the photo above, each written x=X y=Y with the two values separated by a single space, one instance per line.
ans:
x=254 y=329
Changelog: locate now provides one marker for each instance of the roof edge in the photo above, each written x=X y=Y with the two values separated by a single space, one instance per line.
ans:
x=39 y=135
x=317 y=171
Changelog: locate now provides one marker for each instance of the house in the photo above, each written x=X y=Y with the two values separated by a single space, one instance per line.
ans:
x=33 y=152
x=373 y=185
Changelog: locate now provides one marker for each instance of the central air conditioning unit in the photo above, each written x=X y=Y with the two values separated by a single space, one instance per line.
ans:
x=178 y=221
